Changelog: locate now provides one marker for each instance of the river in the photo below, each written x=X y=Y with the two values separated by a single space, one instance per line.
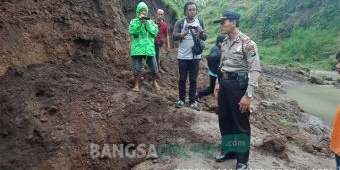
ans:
x=319 y=100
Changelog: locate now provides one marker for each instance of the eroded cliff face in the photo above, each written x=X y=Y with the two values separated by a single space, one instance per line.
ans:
x=34 y=31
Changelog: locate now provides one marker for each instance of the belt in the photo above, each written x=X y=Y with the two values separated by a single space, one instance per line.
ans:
x=233 y=76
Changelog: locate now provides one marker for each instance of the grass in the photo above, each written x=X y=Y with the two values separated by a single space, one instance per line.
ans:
x=297 y=34
x=286 y=121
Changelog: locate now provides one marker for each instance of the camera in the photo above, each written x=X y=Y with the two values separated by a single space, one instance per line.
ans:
x=146 y=18
x=193 y=27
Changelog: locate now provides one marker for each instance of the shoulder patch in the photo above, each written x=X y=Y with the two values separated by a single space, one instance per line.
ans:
x=250 y=48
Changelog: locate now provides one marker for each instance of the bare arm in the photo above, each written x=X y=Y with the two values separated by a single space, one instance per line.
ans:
x=177 y=33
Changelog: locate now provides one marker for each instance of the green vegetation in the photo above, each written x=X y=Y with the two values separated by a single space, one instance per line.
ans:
x=301 y=34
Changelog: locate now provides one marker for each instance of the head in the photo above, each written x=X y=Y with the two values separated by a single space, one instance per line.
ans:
x=229 y=22
x=219 y=40
x=190 y=10
x=338 y=62
x=159 y=14
x=142 y=8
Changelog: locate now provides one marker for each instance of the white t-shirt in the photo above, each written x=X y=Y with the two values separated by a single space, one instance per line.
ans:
x=185 y=45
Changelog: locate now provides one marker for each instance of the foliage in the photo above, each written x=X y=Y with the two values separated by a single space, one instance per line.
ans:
x=288 y=32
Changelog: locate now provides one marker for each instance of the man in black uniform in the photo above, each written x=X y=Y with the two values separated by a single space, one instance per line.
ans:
x=213 y=60
x=238 y=76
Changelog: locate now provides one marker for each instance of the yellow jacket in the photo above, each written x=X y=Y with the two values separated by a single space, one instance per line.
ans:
x=335 y=140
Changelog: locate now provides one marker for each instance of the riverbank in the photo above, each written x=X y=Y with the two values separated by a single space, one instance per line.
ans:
x=318 y=100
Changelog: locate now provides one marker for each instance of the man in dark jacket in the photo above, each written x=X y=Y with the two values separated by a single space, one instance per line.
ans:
x=213 y=63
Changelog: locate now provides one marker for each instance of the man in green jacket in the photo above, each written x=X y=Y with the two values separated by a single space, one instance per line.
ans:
x=144 y=31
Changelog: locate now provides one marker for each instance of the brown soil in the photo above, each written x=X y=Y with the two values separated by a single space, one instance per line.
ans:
x=68 y=85
x=34 y=31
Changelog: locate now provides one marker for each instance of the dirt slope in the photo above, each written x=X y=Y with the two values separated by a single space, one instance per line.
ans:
x=34 y=31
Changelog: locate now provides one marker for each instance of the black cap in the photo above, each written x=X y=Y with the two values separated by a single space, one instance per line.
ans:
x=228 y=15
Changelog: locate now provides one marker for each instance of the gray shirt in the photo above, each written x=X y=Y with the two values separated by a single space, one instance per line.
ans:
x=186 y=43
x=237 y=57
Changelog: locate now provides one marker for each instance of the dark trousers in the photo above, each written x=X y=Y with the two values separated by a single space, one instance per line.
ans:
x=157 y=48
x=210 y=89
x=230 y=119
x=186 y=67
x=337 y=159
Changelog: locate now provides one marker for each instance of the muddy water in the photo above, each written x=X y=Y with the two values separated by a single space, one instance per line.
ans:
x=318 y=100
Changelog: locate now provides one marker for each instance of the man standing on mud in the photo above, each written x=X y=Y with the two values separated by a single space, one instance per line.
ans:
x=188 y=63
x=162 y=33
x=335 y=139
x=238 y=77
x=144 y=31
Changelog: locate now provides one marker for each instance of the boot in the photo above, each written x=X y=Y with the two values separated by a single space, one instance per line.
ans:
x=136 y=80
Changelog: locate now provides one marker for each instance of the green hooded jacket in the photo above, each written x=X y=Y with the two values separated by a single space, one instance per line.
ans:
x=143 y=35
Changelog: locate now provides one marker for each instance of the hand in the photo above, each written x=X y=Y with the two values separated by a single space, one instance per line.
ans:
x=141 y=18
x=216 y=90
x=200 y=29
x=187 y=26
x=183 y=34
x=244 y=104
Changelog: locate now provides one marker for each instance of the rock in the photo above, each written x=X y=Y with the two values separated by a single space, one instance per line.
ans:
x=60 y=127
x=274 y=143
x=152 y=156
x=329 y=82
x=36 y=114
x=17 y=121
x=43 y=118
x=284 y=156
x=4 y=133
x=52 y=110
x=308 y=148
x=324 y=150
x=302 y=110
x=320 y=154
x=337 y=85
x=212 y=105
x=276 y=164
x=125 y=73
x=328 y=78
x=264 y=103
x=317 y=148
x=301 y=72
x=277 y=87
x=317 y=80
x=258 y=143
x=292 y=130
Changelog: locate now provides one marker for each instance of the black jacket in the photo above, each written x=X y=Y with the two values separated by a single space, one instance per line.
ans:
x=214 y=59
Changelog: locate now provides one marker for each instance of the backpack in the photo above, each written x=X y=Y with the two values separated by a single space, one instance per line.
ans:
x=199 y=45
